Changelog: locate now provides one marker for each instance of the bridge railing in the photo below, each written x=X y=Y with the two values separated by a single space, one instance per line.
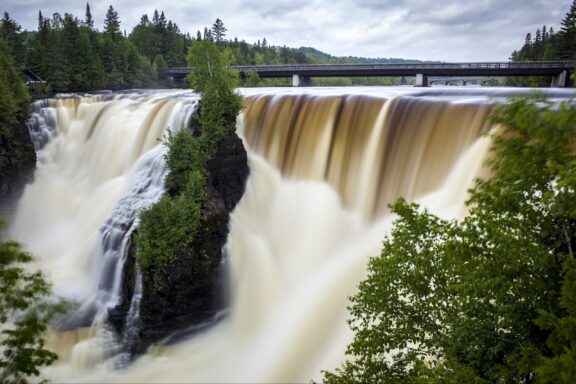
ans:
x=363 y=67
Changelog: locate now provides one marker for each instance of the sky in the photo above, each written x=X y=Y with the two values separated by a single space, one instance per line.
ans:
x=444 y=30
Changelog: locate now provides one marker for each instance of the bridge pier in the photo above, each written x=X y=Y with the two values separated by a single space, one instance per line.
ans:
x=421 y=80
x=300 y=81
x=560 y=80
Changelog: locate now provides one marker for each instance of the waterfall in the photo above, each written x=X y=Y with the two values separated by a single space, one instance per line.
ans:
x=324 y=164
x=100 y=163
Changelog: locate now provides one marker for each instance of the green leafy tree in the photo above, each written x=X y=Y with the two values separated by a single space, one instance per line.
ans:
x=215 y=80
x=25 y=311
x=170 y=227
x=490 y=298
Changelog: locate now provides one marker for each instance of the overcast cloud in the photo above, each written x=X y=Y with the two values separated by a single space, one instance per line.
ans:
x=447 y=30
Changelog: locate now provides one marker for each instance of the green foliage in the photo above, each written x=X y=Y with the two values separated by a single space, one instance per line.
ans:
x=215 y=81
x=170 y=227
x=14 y=98
x=25 y=312
x=546 y=45
x=72 y=56
x=488 y=299
x=16 y=150
x=10 y=33
x=160 y=38
x=112 y=23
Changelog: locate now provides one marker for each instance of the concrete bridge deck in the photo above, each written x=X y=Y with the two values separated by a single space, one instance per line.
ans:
x=559 y=70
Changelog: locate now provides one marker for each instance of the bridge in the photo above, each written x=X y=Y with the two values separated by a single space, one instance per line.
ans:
x=559 y=71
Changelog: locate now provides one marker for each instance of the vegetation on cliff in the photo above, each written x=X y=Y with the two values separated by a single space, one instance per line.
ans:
x=488 y=299
x=17 y=154
x=171 y=225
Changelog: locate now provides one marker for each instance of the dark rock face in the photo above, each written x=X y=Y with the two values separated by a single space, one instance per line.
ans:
x=117 y=315
x=193 y=292
x=17 y=160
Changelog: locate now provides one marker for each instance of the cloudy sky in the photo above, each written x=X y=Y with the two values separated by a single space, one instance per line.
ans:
x=447 y=30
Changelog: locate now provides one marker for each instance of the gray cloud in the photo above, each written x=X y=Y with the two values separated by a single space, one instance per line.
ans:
x=449 y=30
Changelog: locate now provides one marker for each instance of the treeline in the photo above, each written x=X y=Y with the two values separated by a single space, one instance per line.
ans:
x=548 y=45
x=72 y=55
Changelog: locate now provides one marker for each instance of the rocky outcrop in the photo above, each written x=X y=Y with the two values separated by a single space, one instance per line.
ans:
x=17 y=160
x=192 y=295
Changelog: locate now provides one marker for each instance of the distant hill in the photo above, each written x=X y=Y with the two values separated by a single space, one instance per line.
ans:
x=320 y=57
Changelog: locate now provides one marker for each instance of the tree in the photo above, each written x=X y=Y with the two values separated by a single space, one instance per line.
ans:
x=215 y=80
x=112 y=23
x=88 y=21
x=10 y=33
x=145 y=38
x=160 y=63
x=14 y=98
x=218 y=30
x=168 y=230
x=567 y=34
x=25 y=311
x=490 y=298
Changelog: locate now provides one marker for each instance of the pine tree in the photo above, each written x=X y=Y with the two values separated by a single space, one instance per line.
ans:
x=218 y=30
x=112 y=24
x=10 y=33
x=567 y=34
x=88 y=22
x=207 y=34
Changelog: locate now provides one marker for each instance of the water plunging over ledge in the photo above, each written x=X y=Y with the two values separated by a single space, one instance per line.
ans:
x=324 y=164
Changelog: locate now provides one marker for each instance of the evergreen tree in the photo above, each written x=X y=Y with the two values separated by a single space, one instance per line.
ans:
x=57 y=67
x=145 y=38
x=218 y=30
x=57 y=23
x=112 y=24
x=89 y=21
x=10 y=33
x=207 y=34
x=567 y=34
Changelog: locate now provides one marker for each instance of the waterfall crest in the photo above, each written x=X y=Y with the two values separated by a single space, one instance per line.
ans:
x=323 y=167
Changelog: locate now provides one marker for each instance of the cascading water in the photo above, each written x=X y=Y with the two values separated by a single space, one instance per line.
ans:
x=100 y=157
x=323 y=166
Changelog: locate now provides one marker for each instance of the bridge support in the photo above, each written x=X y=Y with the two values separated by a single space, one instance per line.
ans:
x=421 y=80
x=300 y=81
x=560 y=80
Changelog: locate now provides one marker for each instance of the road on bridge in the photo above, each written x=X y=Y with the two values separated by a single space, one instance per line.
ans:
x=559 y=70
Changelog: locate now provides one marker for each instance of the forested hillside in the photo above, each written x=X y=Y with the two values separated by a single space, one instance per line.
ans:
x=71 y=54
